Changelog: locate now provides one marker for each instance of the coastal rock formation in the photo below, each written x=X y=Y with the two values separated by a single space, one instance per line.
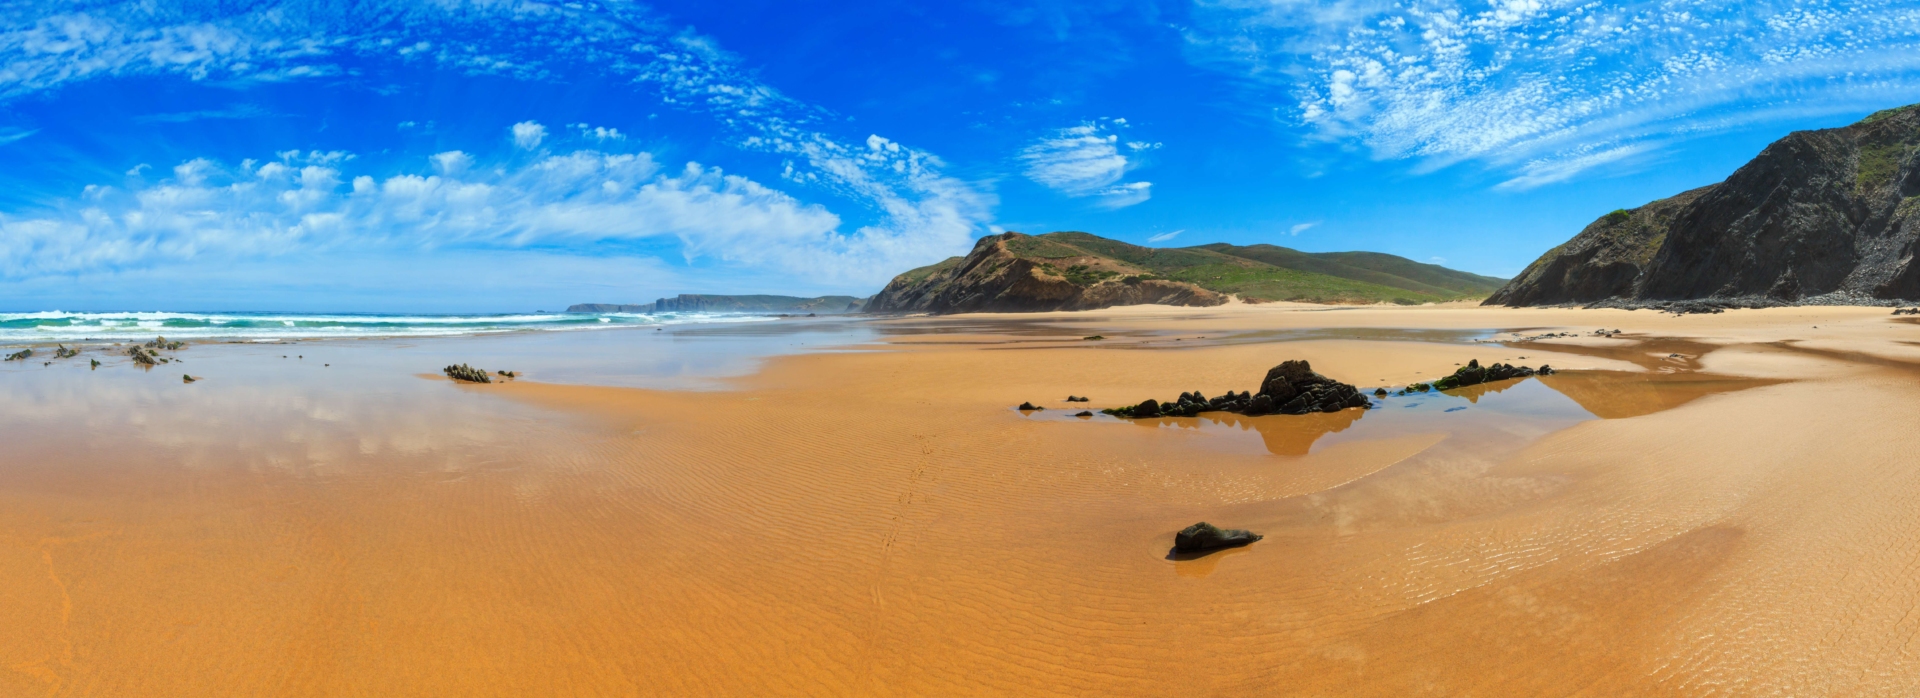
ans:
x=1828 y=216
x=998 y=277
x=706 y=303
x=1204 y=536
x=463 y=372
x=1474 y=374
x=1015 y=272
x=21 y=355
x=1290 y=388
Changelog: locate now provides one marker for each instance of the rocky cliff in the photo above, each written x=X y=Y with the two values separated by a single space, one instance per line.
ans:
x=1000 y=276
x=1828 y=216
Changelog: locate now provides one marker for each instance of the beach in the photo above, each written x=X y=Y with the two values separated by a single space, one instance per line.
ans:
x=1700 y=505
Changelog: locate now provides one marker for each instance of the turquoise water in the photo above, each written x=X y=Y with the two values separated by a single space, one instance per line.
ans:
x=57 y=326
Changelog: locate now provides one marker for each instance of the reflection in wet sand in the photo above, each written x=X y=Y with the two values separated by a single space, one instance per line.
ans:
x=1618 y=395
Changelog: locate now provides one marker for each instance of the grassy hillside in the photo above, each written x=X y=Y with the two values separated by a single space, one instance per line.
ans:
x=1253 y=272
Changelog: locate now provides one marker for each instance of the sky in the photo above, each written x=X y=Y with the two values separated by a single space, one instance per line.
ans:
x=505 y=156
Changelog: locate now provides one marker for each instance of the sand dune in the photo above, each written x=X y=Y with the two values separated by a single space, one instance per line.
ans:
x=1733 y=521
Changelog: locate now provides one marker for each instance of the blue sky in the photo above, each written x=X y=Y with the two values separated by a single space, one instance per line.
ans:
x=502 y=155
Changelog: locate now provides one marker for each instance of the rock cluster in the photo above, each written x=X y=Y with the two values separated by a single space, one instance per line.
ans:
x=463 y=372
x=1906 y=311
x=1474 y=374
x=1290 y=388
x=1204 y=536
x=20 y=355
x=1029 y=407
x=144 y=357
x=62 y=352
x=162 y=343
x=1077 y=398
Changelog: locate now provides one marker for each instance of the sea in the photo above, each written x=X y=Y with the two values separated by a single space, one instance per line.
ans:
x=58 y=327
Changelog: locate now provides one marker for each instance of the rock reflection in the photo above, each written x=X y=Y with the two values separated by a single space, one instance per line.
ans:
x=1285 y=435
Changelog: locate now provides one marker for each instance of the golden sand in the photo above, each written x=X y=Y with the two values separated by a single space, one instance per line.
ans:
x=1739 y=521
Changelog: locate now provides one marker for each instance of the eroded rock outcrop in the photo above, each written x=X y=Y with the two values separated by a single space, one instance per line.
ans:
x=1829 y=216
x=1290 y=388
x=995 y=278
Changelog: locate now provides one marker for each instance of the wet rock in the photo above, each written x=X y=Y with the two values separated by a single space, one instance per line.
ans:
x=1094 y=338
x=1204 y=536
x=508 y=374
x=1474 y=374
x=1077 y=398
x=1290 y=388
x=1379 y=392
x=187 y=379
x=20 y=355
x=142 y=357
x=96 y=363
x=1083 y=413
x=463 y=372
x=1029 y=407
x=64 y=353
x=1906 y=311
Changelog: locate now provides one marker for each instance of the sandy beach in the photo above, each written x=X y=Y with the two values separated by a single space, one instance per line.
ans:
x=1700 y=505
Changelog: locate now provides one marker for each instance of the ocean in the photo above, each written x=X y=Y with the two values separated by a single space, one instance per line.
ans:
x=57 y=326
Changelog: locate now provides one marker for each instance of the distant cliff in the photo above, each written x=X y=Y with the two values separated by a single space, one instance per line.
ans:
x=1828 y=216
x=1015 y=272
x=703 y=303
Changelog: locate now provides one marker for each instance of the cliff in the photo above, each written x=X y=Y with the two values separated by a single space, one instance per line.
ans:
x=1015 y=272
x=1828 y=216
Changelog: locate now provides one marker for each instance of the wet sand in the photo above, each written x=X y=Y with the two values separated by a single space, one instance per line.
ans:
x=1734 y=520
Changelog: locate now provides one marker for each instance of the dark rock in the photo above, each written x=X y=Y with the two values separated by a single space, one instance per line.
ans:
x=1818 y=217
x=1094 y=338
x=463 y=372
x=1474 y=374
x=1083 y=413
x=1028 y=407
x=1077 y=398
x=64 y=353
x=20 y=355
x=187 y=379
x=508 y=374
x=1204 y=536
x=143 y=357
x=1379 y=392
x=1906 y=311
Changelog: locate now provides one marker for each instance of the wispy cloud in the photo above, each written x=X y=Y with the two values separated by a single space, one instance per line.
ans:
x=238 y=111
x=1548 y=89
x=10 y=134
x=1086 y=161
x=1163 y=237
x=1299 y=228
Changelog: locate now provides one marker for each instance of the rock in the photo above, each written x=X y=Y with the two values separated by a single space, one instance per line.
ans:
x=1290 y=388
x=187 y=379
x=64 y=353
x=1474 y=374
x=1817 y=217
x=1379 y=392
x=142 y=357
x=463 y=372
x=1028 y=407
x=1204 y=536
x=20 y=355
x=508 y=374
x=1076 y=398
x=1094 y=338
x=96 y=363
x=1147 y=408
x=1906 y=311
x=1083 y=413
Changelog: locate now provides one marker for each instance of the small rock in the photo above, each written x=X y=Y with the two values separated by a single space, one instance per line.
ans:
x=1028 y=406
x=1204 y=536
x=1083 y=413
x=463 y=372
x=187 y=379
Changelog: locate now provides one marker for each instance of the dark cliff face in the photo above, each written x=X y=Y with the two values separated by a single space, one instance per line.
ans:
x=992 y=278
x=1829 y=215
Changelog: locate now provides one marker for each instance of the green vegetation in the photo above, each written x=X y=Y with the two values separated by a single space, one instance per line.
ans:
x=1616 y=216
x=1878 y=163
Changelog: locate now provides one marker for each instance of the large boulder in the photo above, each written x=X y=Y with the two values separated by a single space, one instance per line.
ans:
x=1204 y=536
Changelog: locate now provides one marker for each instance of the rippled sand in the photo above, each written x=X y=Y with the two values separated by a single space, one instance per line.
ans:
x=1735 y=520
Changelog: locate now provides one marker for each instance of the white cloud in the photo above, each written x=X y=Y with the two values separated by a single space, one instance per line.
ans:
x=528 y=134
x=1547 y=89
x=921 y=213
x=1299 y=228
x=600 y=133
x=1085 y=161
x=1163 y=237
